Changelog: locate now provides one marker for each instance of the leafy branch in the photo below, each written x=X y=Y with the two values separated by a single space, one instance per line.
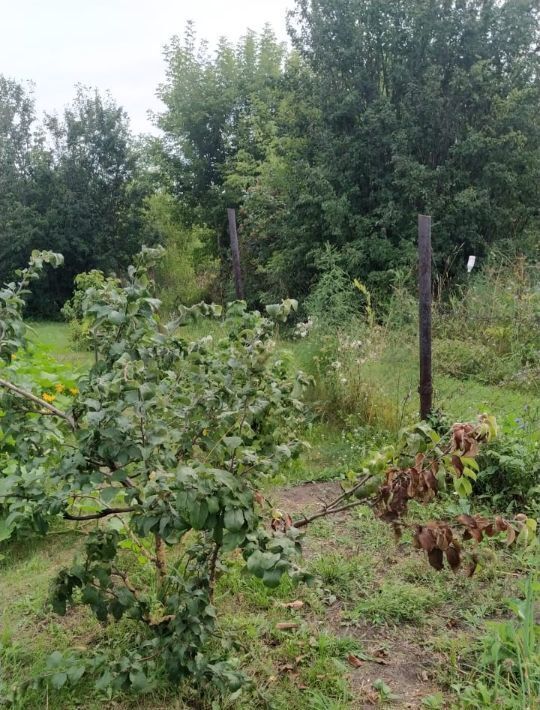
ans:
x=24 y=394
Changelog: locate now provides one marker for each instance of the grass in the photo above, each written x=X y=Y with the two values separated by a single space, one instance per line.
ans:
x=408 y=627
x=55 y=339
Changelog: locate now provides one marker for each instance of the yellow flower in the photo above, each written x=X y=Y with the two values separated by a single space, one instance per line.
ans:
x=59 y=388
x=74 y=391
x=48 y=397
x=14 y=356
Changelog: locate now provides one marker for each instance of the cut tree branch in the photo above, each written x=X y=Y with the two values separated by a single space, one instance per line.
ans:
x=334 y=507
x=36 y=400
x=328 y=511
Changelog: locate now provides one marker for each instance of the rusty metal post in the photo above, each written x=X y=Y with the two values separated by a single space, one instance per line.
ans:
x=424 y=292
x=238 y=283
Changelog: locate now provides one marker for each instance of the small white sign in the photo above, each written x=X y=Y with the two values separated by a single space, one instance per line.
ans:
x=470 y=264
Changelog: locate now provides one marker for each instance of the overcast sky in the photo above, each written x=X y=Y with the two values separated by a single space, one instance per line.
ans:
x=114 y=44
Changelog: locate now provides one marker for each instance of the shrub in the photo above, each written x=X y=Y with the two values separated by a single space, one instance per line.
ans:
x=164 y=447
x=334 y=301
x=510 y=472
x=187 y=273
x=507 y=659
x=342 y=388
x=73 y=310
x=489 y=328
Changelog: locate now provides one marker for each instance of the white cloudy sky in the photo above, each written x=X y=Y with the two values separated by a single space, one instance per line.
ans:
x=114 y=44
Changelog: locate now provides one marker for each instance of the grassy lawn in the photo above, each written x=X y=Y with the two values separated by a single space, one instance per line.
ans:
x=379 y=627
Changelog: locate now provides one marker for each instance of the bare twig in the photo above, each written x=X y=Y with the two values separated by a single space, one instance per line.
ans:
x=161 y=562
x=36 y=400
x=328 y=511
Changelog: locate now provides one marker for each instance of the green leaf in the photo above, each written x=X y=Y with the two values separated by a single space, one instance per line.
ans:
x=58 y=680
x=139 y=681
x=232 y=443
x=75 y=673
x=471 y=463
x=233 y=520
x=109 y=494
x=55 y=659
x=272 y=578
x=116 y=317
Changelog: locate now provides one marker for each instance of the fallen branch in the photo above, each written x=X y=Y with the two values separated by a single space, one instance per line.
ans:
x=334 y=507
x=36 y=400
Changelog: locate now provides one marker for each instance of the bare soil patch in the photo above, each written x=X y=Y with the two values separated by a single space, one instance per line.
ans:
x=400 y=659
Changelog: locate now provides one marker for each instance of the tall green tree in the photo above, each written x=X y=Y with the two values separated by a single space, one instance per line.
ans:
x=404 y=106
x=95 y=216
x=73 y=184
x=17 y=215
x=219 y=119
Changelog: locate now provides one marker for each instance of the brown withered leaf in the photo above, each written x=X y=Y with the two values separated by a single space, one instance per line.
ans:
x=259 y=497
x=464 y=439
x=435 y=558
x=443 y=536
x=430 y=480
x=472 y=449
x=426 y=539
x=510 y=535
x=354 y=661
x=471 y=567
x=381 y=656
x=296 y=604
x=457 y=463
x=281 y=522
x=286 y=668
x=287 y=626
x=501 y=524
x=453 y=558
x=467 y=520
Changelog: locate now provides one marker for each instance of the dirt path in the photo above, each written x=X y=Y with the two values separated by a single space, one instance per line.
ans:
x=396 y=656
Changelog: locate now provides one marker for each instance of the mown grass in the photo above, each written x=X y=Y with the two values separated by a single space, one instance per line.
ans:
x=373 y=599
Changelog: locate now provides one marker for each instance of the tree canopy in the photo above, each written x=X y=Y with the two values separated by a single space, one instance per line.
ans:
x=381 y=110
x=377 y=110
x=71 y=183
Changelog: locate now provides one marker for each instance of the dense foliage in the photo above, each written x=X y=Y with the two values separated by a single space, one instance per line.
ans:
x=72 y=183
x=378 y=111
x=381 y=110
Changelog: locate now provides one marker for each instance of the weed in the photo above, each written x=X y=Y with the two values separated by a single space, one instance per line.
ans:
x=507 y=659
x=395 y=603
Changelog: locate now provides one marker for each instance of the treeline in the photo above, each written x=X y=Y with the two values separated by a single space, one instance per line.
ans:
x=378 y=110
x=73 y=183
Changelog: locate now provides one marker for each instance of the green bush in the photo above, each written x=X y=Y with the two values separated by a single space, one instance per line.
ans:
x=334 y=301
x=187 y=273
x=343 y=391
x=489 y=328
x=73 y=310
x=510 y=472
x=507 y=659
x=465 y=358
